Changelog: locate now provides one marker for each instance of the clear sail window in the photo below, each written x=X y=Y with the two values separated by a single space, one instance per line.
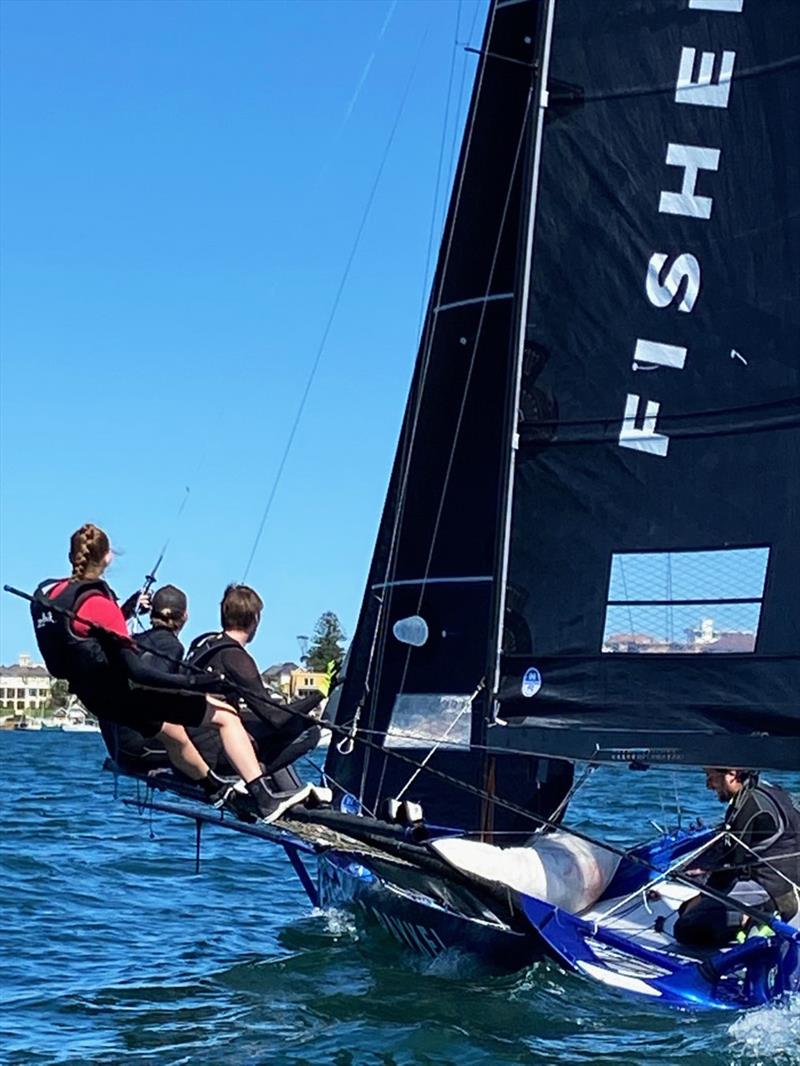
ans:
x=685 y=602
x=419 y=720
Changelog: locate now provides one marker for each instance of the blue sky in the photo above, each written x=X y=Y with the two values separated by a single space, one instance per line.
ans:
x=180 y=186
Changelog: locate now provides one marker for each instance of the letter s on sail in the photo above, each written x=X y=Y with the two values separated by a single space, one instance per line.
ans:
x=683 y=268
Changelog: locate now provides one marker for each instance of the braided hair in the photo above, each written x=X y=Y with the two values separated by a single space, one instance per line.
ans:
x=88 y=548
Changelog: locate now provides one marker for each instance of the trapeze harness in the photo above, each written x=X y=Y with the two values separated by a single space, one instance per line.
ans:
x=121 y=689
x=281 y=734
x=73 y=658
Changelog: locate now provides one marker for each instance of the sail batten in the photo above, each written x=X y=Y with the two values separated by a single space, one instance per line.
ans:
x=660 y=405
x=436 y=556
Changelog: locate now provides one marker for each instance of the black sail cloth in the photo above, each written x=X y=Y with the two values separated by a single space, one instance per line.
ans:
x=440 y=536
x=656 y=517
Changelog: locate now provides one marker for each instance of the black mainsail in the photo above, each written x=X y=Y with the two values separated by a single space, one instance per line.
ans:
x=440 y=539
x=592 y=527
x=656 y=509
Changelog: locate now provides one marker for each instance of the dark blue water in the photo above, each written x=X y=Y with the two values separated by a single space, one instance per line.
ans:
x=114 y=951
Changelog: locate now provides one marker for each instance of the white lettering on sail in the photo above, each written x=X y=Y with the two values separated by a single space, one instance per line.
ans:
x=704 y=91
x=734 y=6
x=683 y=268
x=659 y=354
x=686 y=202
x=673 y=280
x=644 y=438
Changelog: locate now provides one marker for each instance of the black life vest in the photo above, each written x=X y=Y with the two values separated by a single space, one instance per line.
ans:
x=780 y=869
x=204 y=651
x=161 y=648
x=65 y=654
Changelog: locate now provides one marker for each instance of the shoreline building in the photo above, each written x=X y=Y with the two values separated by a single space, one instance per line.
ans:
x=24 y=686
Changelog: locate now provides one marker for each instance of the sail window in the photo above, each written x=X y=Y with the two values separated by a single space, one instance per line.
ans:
x=420 y=719
x=689 y=602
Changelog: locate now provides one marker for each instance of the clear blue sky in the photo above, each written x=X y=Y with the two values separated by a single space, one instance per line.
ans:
x=181 y=186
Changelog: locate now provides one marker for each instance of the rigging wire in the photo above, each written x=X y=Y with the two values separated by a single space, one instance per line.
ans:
x=439 y=167
x=335 y=305
x=150 y=578
x=464 y=64
x=432 y=751
x=465 y=392
x=358 y=89
x=409 y=435
x=254 y=702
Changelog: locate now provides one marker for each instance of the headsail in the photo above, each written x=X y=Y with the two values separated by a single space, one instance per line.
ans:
x=420 y=649
x=654 y=545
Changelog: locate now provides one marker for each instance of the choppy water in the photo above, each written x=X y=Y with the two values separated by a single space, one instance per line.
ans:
x=114 y=951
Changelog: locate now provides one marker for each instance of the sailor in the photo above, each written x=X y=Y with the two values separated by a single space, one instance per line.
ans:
x=757 y=862
x=83 y=638
x=282 y=733
x=160 y=647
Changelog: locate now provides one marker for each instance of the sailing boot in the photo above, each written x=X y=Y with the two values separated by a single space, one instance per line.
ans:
x=219 y=791
x=271 y=805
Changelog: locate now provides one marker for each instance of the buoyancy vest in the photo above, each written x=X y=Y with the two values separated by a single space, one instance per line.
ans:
x=204 y=651
x=161 y=648
x=780 y=869
x=65 y=654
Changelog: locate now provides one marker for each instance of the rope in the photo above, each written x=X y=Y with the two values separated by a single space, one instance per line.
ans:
x=440 y=741
x=459 y=421
x=440 y=775
x=762 y=860
x=334 y=309
x=576 y=786
x=684 y=860
x=407 y=442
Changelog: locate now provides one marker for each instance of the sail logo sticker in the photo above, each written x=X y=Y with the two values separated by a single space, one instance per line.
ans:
x=531 y=682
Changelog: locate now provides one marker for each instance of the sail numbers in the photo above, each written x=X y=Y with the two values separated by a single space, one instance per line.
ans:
x=703 y=81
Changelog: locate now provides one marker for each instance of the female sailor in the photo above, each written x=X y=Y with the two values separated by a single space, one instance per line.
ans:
x=83 y=638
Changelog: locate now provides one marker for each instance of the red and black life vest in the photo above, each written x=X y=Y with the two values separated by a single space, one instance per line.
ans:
x=65 y=654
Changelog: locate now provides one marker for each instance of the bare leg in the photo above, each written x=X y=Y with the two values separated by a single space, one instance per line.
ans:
x=235 y=740
x=182 y=753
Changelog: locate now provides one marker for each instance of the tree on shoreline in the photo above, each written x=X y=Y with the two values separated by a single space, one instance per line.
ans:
x=327 y=644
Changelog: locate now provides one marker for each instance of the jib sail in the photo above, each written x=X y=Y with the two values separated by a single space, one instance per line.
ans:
x=652 y=571
x=417 y=669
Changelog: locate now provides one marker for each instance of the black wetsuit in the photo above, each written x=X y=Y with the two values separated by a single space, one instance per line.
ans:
x=759 y=853
x=160 y=649
x=281 y=734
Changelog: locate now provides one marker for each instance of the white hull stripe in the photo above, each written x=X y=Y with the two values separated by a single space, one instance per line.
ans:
x=433 y=581
x=474 y=300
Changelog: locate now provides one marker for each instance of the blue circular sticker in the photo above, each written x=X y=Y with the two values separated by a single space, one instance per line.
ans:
x=531 y=682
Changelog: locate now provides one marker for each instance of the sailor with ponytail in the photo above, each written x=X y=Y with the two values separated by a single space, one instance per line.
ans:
x=83 y=637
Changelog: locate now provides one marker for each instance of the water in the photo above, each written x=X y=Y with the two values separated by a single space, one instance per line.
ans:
x=113 y=951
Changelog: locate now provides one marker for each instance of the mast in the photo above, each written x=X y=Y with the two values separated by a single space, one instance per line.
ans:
x=507 y=499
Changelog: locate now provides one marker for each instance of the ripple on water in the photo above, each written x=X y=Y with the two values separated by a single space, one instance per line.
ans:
x=115 y=952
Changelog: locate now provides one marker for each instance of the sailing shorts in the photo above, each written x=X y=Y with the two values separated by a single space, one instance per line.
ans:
x=143 y=709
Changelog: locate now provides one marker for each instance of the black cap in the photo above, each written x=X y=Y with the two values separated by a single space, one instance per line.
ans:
x=168 y=603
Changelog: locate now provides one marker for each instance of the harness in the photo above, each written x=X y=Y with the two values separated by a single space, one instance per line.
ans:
x=66 y=654
x=780 y=865
x=207 y=647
